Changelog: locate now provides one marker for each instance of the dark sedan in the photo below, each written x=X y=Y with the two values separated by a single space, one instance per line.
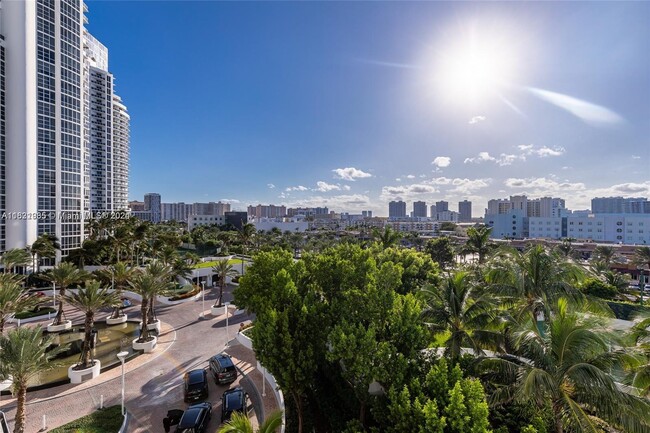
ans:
x=195 y=419
x=196 y=385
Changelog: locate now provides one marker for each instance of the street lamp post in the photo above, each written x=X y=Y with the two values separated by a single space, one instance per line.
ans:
x=122 y=357
x=202 y=298
x=227 y=304
x=54 y=295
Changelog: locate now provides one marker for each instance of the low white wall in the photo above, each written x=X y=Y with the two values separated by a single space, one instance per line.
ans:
x=244 y=340
x=279 y=397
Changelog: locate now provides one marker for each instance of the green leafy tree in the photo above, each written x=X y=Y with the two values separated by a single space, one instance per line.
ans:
x=89 y=300
x=599 y=289
x=223 y=269
x=441 y=251
x=151 y=282
x=605 y=254
x=417 y=269
x=239 y=423
x=441 y=401
x=24 y=353
x=568 y=369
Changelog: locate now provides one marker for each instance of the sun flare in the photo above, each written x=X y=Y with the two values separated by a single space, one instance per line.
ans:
x=475 y=70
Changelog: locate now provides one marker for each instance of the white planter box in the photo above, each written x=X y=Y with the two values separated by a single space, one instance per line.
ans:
x=218 y=311
x=155 y=326
x=6 y=384
x=147 y=346
x=116 y=321
x=78 y=376
x=62 y=327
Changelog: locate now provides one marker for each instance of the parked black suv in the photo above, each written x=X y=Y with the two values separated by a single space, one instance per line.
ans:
x=196 y=385
x=195 y=419
x=222 y=368
x=233 y=400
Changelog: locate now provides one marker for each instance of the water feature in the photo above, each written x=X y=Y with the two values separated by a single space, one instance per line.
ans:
x=110 y=340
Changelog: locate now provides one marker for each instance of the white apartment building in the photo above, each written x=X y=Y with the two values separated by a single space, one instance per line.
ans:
x=632 y=229
x=121 y=151
x=53 y=121
x=204 y=220
x=425 y=227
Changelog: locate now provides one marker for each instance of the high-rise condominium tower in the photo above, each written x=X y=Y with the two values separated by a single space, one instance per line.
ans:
x=59 y=150
x=419 y=209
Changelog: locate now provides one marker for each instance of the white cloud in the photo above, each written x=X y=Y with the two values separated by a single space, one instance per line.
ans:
x=350 y=173
x=410 y=176
x=441 y=161
x=398 y=179
x=542 y=186
x=405 y=191
x=636 y=157
x=343 y=202
x=544 y=151
x=325 y=187
x=508 y=159
x=468 y=186
x=476 y=119
x=346 y=188
x=270 y=186
x=297 y=188
x=230 y=200
x=502 y=160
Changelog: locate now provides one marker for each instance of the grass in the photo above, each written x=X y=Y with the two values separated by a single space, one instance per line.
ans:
x=108 y=420
x=214 y=262
x=41 y=312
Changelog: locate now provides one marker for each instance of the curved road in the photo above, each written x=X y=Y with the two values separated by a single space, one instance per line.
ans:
x=152 y=388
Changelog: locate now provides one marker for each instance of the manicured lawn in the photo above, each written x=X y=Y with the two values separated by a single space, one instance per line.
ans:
x=214 y=262
x=108 y=420
x=41 y=312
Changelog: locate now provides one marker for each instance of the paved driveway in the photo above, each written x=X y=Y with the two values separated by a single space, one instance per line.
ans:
x=153 y=387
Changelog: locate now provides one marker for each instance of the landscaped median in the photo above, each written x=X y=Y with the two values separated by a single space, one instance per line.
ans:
x=108 y=420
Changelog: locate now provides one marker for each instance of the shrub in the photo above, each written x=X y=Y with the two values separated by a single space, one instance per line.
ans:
x=184 y=295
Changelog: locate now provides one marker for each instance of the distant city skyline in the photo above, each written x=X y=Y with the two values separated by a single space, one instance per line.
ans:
x=365 y=103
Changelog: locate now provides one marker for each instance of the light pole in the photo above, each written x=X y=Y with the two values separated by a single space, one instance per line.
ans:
x=122 y=356
x=54 y=295
x=202 y=298
x=227 y=304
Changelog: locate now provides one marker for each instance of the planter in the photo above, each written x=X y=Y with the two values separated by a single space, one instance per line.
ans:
x=218 y=311
x=62 y=327
x=147 y=346
x=117 y=320
x=155 y=326
x=6 y=384
x=78 y=376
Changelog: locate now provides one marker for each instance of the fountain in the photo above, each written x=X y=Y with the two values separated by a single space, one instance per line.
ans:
x=109 y=341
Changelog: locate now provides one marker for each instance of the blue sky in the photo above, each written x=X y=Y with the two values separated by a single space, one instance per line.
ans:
x=351 y=105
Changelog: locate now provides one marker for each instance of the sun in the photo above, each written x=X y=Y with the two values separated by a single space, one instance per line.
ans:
x=475 y=70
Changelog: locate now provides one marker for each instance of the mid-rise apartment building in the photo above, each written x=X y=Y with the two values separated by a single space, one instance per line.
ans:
x=264 y=211
x=442 y=206
x=419 y=209
x=396 y=209
x=622 y=205
x=464 y=211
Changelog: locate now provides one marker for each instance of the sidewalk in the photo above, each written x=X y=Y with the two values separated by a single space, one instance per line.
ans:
x=244 y=360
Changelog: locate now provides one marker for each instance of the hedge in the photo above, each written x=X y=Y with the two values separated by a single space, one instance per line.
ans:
x=187 y=294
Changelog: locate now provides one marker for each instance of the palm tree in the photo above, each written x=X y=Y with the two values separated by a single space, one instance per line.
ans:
x=64 y=275
x=162 y=273
x=223 y=269
x=44 y=246
x=239 y=423
x=246 y=235
x=153 y=281
x=24 y=354
x=531 y=282
x=457 y=308
x=605 y=254
x=13 y=298
x=567 y=370
x=15 y=257
x=119 y=275
x=89 y=300
x=642 y=257
x=478 y=242
x=387 y=238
